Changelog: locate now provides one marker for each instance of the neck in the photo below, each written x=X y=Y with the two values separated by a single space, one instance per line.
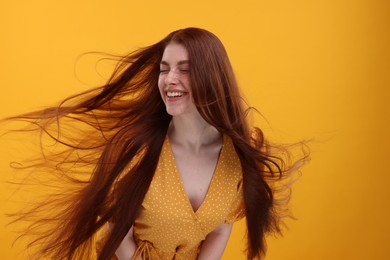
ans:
x=192 y=131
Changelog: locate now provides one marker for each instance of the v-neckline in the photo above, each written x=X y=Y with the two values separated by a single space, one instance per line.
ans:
x=181 y=184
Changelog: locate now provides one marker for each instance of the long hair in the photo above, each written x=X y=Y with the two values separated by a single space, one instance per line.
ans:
x=126 y=119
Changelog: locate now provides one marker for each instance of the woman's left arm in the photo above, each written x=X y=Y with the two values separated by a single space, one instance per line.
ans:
x=215 y=242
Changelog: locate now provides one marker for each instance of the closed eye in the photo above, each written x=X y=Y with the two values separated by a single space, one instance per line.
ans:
x=164 y=69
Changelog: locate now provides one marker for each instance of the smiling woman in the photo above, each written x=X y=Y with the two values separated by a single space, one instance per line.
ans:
x=174 y=162
x=174 y=81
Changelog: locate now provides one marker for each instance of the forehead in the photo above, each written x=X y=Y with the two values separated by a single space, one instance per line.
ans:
x=174 y=53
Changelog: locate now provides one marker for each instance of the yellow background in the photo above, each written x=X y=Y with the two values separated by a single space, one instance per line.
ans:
x=315 y=69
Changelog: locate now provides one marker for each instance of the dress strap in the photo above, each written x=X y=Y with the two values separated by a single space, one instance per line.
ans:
x=145 y=251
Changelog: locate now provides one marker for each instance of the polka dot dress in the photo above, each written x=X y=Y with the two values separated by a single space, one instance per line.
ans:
x=168 y=227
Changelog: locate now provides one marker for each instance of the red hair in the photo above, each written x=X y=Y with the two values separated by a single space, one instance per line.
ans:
x=127 y=118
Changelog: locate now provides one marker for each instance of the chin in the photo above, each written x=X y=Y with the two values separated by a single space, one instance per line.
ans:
x=175 y=111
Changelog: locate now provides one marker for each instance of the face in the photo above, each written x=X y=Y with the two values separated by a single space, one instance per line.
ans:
x=174 y=80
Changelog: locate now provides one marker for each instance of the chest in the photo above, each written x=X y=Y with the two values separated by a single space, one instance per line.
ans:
x=196 y=172
x=167 y=207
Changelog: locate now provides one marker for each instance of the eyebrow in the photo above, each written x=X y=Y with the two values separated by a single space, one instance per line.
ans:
x=163 y=62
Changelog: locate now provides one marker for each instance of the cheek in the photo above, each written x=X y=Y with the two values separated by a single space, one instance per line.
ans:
x=160 y=83
x=189 y=87
x=187 y=82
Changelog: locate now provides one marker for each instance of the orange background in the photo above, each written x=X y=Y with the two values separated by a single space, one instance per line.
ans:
x=315 y=69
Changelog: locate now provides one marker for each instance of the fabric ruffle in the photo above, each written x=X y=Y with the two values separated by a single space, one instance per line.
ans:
x=145 y=251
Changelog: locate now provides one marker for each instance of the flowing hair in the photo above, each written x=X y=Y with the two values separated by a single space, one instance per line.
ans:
x=98 y=133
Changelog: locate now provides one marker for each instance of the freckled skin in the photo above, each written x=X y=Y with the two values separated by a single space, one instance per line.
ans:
x=174 y=77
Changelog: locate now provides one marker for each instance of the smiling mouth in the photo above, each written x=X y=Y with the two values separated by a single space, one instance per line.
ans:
x=174 y=94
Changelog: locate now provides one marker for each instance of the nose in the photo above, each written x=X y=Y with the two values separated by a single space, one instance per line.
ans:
x=171 y=78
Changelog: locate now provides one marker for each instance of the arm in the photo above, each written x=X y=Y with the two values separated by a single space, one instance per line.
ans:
x=127 y=247
x=215 y=242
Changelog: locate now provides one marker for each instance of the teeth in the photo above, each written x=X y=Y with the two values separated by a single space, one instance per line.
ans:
x=174 y=94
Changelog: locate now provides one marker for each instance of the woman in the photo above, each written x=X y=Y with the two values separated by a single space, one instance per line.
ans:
x=174 y=160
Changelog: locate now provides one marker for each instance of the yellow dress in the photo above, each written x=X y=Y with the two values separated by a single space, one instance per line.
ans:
x=168 y=227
